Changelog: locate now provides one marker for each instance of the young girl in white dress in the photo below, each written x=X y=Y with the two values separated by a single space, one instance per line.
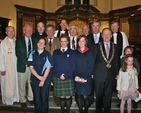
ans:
x=127 y=83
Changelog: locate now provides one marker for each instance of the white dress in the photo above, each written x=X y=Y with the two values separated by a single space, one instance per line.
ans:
x=8 y=63
x=129 y=92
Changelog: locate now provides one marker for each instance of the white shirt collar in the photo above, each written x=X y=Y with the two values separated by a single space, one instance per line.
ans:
x=65 y=49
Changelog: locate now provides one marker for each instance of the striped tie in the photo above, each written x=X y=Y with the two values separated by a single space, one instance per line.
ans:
x=29 y=46
x=73 y=44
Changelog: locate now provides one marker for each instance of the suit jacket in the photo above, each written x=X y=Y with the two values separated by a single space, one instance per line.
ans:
x=21 y=53
x=91 y=40
x=101 y=72
x=55 y=45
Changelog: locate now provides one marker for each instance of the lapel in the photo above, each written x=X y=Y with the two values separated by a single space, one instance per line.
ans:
x=111 y=50
x=92 y=39
x=103 y=47
x=100 y=38
x=24 y=45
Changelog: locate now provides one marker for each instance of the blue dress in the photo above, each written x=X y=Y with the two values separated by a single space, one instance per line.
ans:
x=84 y=69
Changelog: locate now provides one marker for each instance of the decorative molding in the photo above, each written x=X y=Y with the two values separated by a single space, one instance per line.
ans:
x=51 y=23
x=29 y=21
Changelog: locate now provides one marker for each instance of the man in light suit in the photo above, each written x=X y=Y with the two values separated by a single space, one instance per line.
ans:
x=52 y=42
x=105 y=70
x=95 y=37
x=23 y=47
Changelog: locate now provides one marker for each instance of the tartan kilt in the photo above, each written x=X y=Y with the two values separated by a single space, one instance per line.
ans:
x=63 y=87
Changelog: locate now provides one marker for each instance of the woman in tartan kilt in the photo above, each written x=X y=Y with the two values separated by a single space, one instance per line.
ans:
x=64 y=66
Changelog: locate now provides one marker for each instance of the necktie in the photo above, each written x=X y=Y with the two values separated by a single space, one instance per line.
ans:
x=107 y=50
x=96 y=38
x=29 y=46
x=63 y=50
x=50 y=43
x=73 y=43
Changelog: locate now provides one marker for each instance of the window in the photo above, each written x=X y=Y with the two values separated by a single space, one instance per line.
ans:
x=68 y=2
x=77 y=2
x=85 y=1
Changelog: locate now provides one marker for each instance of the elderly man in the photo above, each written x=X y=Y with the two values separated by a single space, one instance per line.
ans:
x=24 y=46
x=53 y=42
x=63 y=29
x=8 y=68
x=40 y=31
x=73 y=36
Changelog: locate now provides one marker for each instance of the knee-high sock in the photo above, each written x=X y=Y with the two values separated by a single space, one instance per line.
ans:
x=79 y=100
x=62 y=103
x=86 y=103
x=68 y=104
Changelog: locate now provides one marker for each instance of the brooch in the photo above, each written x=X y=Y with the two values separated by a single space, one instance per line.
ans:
x=68 y=55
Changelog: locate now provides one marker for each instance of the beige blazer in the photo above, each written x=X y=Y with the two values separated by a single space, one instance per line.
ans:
x=55 y=45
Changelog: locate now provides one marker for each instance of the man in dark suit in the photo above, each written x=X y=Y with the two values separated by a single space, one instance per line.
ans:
x=24 y=46
x=95 y=37
x=105 y=70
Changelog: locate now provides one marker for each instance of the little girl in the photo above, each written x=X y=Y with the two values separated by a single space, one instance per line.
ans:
x=127 y=83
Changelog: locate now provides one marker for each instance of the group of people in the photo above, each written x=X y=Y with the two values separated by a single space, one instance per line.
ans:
x=76 y=66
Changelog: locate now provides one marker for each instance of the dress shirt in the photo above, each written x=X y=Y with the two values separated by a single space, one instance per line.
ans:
x=75 y=39
x=96 y=40
x=52 y=38
x=115 y=37
x=26 y=41
x=105 y=44
x=63 y=49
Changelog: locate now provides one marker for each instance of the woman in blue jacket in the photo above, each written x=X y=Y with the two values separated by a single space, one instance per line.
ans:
x=64 y=66
x=40 y=63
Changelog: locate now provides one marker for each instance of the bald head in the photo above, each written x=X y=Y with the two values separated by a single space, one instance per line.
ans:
x=85 y=29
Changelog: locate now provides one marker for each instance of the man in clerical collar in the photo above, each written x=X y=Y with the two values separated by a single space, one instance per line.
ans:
x=40 y=31
x=85 y=29
x=73 y=36
x=63 y=29
x=119 y=37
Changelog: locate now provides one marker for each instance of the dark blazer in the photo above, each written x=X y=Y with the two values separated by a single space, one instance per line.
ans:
x=21 y=53
x=101 y=72
x=91 y=40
